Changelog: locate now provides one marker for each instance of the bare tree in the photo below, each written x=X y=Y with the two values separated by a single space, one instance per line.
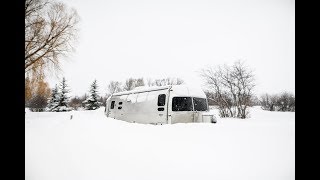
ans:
x=165 y=81
x=231 y=87
x=244 y=84
x=284 y=101
x=75 y=102
x=139 y=82
x=114 y=87
x=268 y=102
x=220 y=95
x=50 y=29
x=179 y=81
x=131 y=83
x=255 y=101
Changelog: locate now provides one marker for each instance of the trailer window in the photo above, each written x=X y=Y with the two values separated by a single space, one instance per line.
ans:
x=182 y=104
x=200 y=104
x=112 y=104
x=161 y=99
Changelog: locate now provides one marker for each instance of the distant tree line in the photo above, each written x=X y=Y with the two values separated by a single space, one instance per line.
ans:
x=39 y=97
x=230 y=88
x=284 y=101
x=131 y=83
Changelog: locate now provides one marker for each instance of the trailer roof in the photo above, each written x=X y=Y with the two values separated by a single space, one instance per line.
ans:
x=142 y=89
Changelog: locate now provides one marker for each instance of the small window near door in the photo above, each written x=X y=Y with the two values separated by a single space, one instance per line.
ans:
x=161 y=99
x=112 y=104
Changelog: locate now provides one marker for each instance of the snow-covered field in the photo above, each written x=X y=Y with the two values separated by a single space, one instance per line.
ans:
x=91 y=146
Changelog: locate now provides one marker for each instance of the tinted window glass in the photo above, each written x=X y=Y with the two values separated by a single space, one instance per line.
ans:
x=112 y=104
x=182 y=104
x=200 y=104
x=161 y=100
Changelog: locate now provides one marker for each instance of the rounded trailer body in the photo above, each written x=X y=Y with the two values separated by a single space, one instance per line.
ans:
x=160 y=105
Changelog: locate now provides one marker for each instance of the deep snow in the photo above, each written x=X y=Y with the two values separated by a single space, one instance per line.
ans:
x=91 y=146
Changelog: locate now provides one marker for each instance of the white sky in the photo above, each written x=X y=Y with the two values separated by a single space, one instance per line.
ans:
x=119 y=39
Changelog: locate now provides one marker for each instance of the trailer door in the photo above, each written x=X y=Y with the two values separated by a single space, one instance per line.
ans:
x=199 y=105
x=111 y=108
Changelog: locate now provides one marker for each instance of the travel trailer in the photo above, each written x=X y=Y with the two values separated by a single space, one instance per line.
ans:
x=160 y=105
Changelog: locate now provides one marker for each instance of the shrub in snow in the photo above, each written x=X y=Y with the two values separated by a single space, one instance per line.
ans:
x=76 y=102
x=230 y=88
x=278 y=102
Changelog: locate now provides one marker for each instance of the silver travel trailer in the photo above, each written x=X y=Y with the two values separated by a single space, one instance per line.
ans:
x=160 y=105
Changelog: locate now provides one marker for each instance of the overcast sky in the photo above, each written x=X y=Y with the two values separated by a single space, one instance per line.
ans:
x=119 y=39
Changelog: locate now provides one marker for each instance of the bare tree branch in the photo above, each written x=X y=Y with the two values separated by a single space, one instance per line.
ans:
x=50 y=29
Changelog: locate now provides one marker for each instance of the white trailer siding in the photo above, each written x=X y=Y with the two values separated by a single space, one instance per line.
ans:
x=177 y=104
x=140 y=107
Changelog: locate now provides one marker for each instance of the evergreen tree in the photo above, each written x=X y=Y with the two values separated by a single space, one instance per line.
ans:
x=54 y=100
x=92 y=101
x=63 y=103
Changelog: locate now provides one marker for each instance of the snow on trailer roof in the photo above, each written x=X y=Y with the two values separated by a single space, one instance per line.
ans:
x=177 y=90
x=141 y=89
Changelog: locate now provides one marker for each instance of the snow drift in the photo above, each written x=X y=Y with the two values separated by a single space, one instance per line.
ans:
x=92 y=146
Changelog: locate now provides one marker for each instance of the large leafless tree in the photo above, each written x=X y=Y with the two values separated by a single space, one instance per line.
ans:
x=50 y=31
x=231 y=87
x=114 y=87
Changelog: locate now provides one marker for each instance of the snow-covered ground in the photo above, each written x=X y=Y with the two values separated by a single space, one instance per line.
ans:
x=91 y=146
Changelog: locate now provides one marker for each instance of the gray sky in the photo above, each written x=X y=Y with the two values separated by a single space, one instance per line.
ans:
x=119 y=39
